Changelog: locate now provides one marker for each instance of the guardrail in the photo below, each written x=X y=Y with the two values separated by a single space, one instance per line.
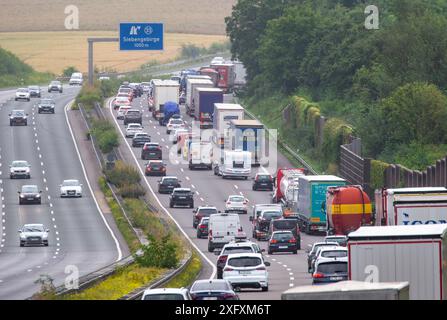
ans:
x=285 y=146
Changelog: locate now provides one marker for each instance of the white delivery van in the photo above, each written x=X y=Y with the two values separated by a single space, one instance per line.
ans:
x=417 y=254
x=235 y=164
x=411 y=206
x=200 y=155
x=224 y=113
x=76 y=79
x=222 y=229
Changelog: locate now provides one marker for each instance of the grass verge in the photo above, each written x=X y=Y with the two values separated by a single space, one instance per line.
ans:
x=189 y=275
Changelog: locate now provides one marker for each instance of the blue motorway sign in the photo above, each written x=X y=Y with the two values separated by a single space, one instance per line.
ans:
x=141 y=36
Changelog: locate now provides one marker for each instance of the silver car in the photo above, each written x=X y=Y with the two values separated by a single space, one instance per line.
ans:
x=33 y=234
x=236 y=203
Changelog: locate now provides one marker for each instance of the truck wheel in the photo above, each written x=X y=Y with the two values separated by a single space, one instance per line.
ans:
x=210 y=247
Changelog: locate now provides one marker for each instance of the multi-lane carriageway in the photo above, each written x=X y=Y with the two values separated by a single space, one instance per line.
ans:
x=80 y=238
x=286 y=270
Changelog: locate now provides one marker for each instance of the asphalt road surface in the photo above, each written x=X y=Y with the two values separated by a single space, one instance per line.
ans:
x=286 y=270
x=79 y=240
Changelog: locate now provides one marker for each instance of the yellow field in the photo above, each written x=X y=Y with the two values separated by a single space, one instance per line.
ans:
x=54 y=51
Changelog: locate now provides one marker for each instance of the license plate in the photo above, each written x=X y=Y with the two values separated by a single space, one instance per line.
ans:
x=283 y=247
x=244 y=272
x=152 y=153
x=336 y=278
x=30 y=199
x=182 y=197
x=210 y=298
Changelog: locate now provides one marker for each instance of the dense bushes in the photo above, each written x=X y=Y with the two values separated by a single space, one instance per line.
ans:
x=105 y=134
x=127 y=179
x=377 y=174
x=192 y=51
x=160 y=253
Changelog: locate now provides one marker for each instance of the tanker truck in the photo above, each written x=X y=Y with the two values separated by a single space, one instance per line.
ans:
x=347 y=209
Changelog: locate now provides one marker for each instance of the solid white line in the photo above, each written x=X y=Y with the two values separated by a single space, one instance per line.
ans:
x=158 y=200
x=120 y=254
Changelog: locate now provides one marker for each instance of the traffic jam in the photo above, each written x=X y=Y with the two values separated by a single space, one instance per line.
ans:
x=205 y=159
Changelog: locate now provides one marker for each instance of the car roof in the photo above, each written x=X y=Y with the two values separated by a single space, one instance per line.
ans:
x=155 y=161
x=248 y=255
x=182 y=189
x=33 y=224
x=166 y=291
x=169 y=177
x=66 y=180
x=206 y=207
x=19 y=161
x=334 y=248
x=238 y=244
x=151 y=143
x=330 y=260
x=337 y=237
x=328 y=243
x=29 y=185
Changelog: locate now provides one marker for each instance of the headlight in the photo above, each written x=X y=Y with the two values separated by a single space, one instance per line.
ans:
x=22 y=196
x=38 y=196
x=22 y=236
x=11 y=170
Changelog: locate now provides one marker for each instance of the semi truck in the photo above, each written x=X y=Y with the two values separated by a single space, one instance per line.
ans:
x=224 y=113
x=411 y=206
x=210 y=72
x=416 y=254
x=183 y=75
x=311 y=197
x=226 y=76
x=163 y=91
x=190 y=85
x=286 y=182
x=248 y=135
x=203 y=105
x=347 y=209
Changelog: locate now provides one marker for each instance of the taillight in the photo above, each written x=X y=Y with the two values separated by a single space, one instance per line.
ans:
x=227 y=269
x=240 y=229
x=293 y=240
x=260 y=268
x=193 y=296
x=148 y=168
x=273 y=241
x=317 y=275
x=228 y=296
x=202 y=226
x=223 y=259
x=210 y=234
x=163 y=169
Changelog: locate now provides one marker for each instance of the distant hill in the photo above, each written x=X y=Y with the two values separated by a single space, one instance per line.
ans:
x=14 y=72
x=185 y=16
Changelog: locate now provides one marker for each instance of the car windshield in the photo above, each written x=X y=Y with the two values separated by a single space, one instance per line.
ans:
x=46 y=101
x=176 y=121
x=264 y=178
x=182 y=192
x=334 y=254
x=19 y=164
x=340 y=241
x=207 y=211
x=33 y=229
x=142 y=135
x=244 y=262
x=283 y=236
x=272 y=214
x=284 y=224
x=206 y=286
x=33 y=87
x=22 y=90
x=317 y=246
x=170 y=181
x=332 y=267
x=55 y=83
x=237 y=199
x=70 y=183
x=231 y=250
x=134 y=126
x=18 y=113
x=30 y=189
x=164 y=296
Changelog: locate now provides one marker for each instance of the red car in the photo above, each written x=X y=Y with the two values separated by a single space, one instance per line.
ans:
x=155 y=168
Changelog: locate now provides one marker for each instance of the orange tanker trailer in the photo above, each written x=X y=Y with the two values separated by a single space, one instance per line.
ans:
x=347 y=208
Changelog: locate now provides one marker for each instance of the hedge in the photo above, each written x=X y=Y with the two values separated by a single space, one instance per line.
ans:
x=378 y=174
x=336 y=132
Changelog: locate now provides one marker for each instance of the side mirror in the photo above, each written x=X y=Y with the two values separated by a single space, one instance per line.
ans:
x=250 y=218
x=267 y=264
x=219 y=211
x=194 y=211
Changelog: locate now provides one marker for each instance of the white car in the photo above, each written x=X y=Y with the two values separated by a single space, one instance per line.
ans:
x=175 y=134
x=19 y=169
x=76 y=79
x=166 y=294
x=340 y=239
x=174 y=124
x=329 y=253
x=122 y=112
x=218 y=60
x=246 y=270
x=121 y=101
x=33 y=234
x=132 y=129
x=71 y=188
x=23 y=94
x=236 y=203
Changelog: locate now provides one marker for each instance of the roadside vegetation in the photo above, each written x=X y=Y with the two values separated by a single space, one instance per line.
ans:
x=386 y=86
x=192 y=51
x=16 y=73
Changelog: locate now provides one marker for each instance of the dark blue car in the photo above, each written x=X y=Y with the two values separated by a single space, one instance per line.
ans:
x=330 y=271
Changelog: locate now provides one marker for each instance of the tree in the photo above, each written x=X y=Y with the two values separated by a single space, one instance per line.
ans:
x=69 y=71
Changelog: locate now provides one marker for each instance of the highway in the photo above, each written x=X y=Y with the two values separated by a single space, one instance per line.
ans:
x=79 y=238
x=286 y=270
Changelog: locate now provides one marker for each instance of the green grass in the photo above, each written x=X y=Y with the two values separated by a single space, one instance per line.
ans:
x=121 y=221
x=189 y=275
x=119 y=284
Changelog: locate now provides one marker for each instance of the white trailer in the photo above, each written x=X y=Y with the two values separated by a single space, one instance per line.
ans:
x=411 y=206
x=190 y=85
x=235 y=164
x=417 y=254
x=240 y=74
x=224 y=113
x=163 y=91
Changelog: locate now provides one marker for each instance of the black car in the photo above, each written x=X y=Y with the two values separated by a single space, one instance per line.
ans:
x=214 y=289
x=46 y=105
x=201 y=212
x=202 y=228
x=133 y=116
x=140 y=139
x=282 y=241
x=167 y=184
x=181 y=197
x=151 y=151
x=155 y=168
x=330 y=272
x=30 y=194
x=286 y=224
x=34 y=91
x=263 y=182
x=17 y=117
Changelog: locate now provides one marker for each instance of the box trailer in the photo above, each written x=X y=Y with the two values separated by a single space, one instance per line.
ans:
x=203 y=105
x=224 y=113
x=226 y=76
x=247 y=135
x=411 y=206
x=240 y=74
x=190 y=85
x=417 y=254
x=163 y=91
x=350 y=290
x=311 y=197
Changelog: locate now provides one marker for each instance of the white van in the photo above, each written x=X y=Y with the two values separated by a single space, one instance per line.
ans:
x=200 y=155
x=236 y=164
x=222 y=229
x=76 y=79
